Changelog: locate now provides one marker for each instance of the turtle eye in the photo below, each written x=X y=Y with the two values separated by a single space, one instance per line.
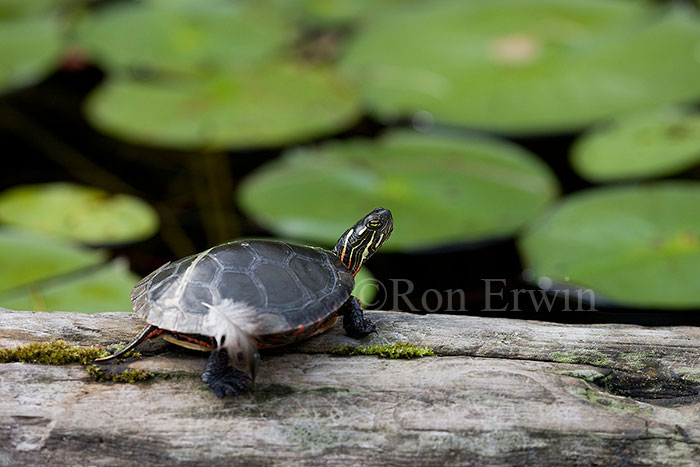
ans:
x=374 y=224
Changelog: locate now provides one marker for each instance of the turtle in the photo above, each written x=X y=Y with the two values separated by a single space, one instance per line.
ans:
x=245 y=295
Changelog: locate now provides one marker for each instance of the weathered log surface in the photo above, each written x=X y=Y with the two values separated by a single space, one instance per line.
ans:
x=500 y=392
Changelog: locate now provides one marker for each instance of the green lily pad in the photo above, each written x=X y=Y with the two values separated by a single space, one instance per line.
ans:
x=661 y=143
x=99 y=290
x=332 y=12
x=79 y=213
x=31 y=49
x=189 y=38
x=270 y=106
x=636 y=246
x=29 y=257
x=526 y=67
x=441 y=189
x=24 y=8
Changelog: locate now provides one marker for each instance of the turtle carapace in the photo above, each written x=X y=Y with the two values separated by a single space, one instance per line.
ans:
x=240 y=296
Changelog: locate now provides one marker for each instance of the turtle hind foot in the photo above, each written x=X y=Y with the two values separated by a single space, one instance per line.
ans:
x=222 y=378
x=232 y=383
x=354 y=321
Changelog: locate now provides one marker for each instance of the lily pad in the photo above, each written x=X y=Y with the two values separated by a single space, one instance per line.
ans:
x=636 y=246
x=195 y=37
x=270 y=106
x=334 y=12
x=29 y=257
x=99 y=290
x=24 y=8
x=31 y=49
x=441 y=189
x=81 y=213
x=661 y=143
x=526 y=67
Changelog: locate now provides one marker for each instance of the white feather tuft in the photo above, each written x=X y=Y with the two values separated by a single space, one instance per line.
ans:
x=220 y=323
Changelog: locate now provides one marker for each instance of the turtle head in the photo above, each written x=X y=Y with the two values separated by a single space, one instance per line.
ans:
x=364 y=238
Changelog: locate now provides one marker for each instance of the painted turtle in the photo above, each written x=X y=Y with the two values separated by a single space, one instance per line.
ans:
x=240 y=296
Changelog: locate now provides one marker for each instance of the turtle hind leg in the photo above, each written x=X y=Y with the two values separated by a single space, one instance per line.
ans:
x=223 y=379
x=354 y=321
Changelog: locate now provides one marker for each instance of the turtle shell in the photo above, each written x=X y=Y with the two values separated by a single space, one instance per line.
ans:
x=265 y=288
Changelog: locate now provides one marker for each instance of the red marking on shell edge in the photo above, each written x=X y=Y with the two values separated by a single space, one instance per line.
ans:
x=192 y=339
x=155 y=333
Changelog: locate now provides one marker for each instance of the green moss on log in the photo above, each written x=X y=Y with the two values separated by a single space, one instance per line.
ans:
x=616 y=403
x=638 y=361
x=51 y=353
x=689 y=374
x=60 y=353
x=130 y=376
x=584 y=357
x=586 y=375
x=395 y=350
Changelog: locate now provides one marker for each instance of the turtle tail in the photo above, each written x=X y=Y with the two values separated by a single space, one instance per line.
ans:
x=143 y=335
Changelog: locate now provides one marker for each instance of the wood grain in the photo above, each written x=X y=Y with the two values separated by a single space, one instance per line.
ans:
x=499 y=392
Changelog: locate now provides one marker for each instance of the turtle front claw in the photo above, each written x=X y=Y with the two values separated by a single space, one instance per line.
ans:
x=367 y=328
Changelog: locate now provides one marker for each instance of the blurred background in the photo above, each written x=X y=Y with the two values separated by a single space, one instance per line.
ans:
x=528 y=149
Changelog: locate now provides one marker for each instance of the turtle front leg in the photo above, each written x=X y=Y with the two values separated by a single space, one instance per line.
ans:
x=222 y=378
x=354 y=321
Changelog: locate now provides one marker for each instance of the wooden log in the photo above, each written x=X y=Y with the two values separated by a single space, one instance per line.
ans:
x=499 y=392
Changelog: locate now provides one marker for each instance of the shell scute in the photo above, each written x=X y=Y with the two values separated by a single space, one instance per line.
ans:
x=158 y=289
x=205 y=270
x=239 y=286
x=165 y=274
x=193 y=296
x=309 y=273
x=183 y=264
x=280 y=286
x=272 y=252
x=312 y=253
x=234 y=256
